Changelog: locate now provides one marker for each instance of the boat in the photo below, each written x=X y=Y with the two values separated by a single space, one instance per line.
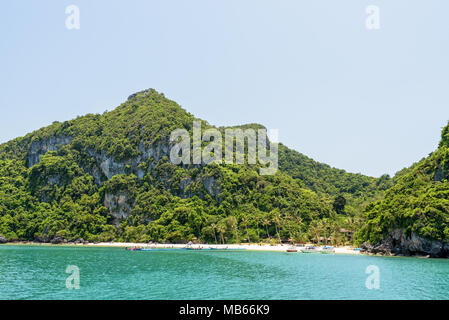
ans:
x=161 y=249
x=190 y=247
x=224 y=248
x=153 y=249
x=327 y=249
x=309 y=249
x=134 y=249
x=292 y=249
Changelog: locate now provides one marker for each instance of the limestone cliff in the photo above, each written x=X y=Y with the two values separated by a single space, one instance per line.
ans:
x=398 y=243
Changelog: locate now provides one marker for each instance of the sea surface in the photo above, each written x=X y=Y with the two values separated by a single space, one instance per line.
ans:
x=41 y=272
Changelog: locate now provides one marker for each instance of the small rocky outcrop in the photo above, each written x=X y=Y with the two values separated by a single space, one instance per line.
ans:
x=58 y=240
x=41 y=147
x=118 y=205
x=143 y=93
x=441 y=174
x=212 y=186
x=42 y=238
x=3 y=239
x=398 y=243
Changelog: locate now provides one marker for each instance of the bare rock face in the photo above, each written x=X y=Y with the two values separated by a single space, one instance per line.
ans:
x=41 y=147
x=212 y=186
x=3 y=239
x=57 y=240
x=398 y=243
x=106 y=166
x=43 y=238
x=184 y=187
x=111 y=167
x=118 y=205
x=143 y=93
x=440 y=174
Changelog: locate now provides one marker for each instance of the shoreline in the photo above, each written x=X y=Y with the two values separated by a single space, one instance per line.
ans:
x=340 y=250
x=249 y=246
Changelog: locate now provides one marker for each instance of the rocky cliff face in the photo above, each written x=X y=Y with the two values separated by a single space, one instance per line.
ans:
x=118 y=205
x=106 y=167
x=41 y=147
x=109 y=166
x=151 y=154
x=398 y=243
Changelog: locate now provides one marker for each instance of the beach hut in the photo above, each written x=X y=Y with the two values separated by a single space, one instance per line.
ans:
x=347 y=233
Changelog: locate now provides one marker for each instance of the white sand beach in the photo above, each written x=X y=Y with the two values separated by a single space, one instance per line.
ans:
x=252 y=247
x=244 y=246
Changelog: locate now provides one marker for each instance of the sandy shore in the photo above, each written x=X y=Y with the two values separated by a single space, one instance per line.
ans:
x=251 y=247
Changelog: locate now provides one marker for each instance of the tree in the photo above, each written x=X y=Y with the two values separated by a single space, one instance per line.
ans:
x=266 y=222
x=245 y=222
x=221 y=228
x=214 y=228
x=276 y=218
x=339 y=204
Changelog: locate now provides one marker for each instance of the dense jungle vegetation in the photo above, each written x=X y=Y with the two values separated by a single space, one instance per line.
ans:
x=107 y=177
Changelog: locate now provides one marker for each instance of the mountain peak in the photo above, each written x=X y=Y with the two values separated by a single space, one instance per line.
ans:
x=144 y=93
x=113 y=173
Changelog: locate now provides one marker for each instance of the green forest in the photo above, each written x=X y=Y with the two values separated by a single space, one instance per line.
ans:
x=108 y=177
x=418 y=202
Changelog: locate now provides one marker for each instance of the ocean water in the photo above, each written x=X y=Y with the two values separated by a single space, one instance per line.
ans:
x=39 y=272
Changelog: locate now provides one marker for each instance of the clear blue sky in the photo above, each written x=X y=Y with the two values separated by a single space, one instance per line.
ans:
x=369 y=101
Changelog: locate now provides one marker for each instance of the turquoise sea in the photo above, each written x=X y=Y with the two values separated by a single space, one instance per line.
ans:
x=39 y=272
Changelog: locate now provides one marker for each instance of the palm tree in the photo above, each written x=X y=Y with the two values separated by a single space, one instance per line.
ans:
x=214 y=227
x=221 y=230
x=277 y=220
x=266 y=222
x=231 y=223
x=288 y=224
x=245 y=223
x=235 y=227
x=315 y=230
x=336 y=238
x=258 y=220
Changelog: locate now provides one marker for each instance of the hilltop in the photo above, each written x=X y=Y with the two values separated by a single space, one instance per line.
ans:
x=108 y=177
x=413 y=217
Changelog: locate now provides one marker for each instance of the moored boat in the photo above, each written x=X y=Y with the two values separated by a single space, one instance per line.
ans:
x=190 y=247
x=327 y=249
x=309 y=249
x=134 y=249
